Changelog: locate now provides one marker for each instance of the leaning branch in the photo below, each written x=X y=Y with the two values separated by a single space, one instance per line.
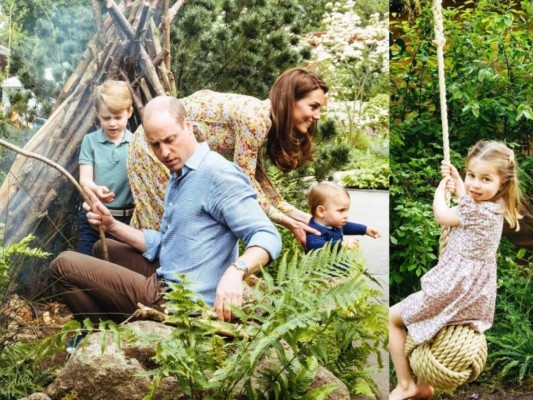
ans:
x=68 y=176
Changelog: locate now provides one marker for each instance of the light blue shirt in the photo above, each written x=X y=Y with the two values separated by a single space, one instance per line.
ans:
x=207 y=209
x=109 y=165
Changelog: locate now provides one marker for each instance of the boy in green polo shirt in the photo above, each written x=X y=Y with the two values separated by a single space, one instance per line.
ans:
x=103 y=158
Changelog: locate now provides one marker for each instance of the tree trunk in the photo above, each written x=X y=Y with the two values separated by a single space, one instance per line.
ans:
x=37 y=199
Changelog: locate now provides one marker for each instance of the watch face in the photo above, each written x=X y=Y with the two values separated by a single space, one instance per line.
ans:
x=241 y=265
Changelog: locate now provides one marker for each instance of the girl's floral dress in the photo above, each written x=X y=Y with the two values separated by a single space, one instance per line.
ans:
x=461 y=289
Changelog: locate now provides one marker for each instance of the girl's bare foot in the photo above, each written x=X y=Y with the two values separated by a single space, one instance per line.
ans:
x=419 y=391
x=424 y=390
x=403 y=393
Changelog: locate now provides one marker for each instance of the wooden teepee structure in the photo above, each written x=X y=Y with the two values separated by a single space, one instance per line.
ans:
x=132 y=43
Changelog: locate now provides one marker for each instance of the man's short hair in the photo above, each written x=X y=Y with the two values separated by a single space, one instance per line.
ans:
x=166 y=103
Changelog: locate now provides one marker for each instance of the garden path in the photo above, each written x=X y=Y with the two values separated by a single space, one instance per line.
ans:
x=371 y=207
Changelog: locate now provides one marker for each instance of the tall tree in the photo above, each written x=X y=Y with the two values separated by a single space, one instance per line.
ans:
x=56 y=33
x=235 y=45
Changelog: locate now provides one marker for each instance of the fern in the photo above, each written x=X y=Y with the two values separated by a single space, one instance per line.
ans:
x=309 y=309
x=21 y=249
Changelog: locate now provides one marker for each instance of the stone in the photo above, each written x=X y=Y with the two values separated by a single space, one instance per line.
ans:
x=113 y=373
x=37 y=396
x=97 y=373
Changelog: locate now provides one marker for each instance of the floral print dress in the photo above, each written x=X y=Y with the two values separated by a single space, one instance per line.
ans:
x=233 y=125
x=461 y=289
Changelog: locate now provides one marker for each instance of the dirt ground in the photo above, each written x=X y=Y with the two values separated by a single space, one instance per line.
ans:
x=32 y=321
x=485 y=392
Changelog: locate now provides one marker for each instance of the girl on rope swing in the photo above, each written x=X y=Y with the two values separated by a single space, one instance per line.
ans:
x=242 y=128
x=461 y=289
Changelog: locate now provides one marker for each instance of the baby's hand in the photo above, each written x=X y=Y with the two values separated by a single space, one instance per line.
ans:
x=104 y=195
x=372 y=232
x=350 y=243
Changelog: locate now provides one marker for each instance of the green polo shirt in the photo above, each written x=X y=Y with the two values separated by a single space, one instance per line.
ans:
x=109 y=165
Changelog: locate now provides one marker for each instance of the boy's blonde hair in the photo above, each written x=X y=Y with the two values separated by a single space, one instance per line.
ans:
x=321 y=192
x=503 y=159
x=115 y=95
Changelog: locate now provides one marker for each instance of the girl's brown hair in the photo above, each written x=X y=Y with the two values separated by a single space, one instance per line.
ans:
x=503 y=159
x=285 y=148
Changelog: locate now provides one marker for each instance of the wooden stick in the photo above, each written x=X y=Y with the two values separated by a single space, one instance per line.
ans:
x=141 y=26
x=174 y=10
x=100 y=34
x=145 y=63
x=120 y=20
x=166 y=33
x=69 y=177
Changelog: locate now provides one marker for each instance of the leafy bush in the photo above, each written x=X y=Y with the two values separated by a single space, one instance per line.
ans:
x=488 y=77
x=488 y=55
x=370 y=167
x=511 y=337
x=18 y=373
x=376 y=177
x=7 y=254
x=314 y=309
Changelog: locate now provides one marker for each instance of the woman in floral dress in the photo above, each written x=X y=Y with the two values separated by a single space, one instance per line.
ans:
x=245 y=129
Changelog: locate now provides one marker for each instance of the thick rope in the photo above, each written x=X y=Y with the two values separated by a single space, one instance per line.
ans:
x=457 y=354
x=439 y=43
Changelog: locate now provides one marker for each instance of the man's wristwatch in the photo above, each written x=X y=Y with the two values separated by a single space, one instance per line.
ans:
x=241 y=266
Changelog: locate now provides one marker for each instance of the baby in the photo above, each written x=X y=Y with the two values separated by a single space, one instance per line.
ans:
x=329 y=204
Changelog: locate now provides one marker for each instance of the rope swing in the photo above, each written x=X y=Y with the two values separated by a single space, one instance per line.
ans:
x=457 y=354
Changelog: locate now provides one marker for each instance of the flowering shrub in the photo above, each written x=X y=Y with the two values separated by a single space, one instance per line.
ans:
x=352 y=56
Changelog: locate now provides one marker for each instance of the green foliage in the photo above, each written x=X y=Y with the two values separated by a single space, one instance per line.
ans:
x=54 y=34
x=313 y=309
x=19 y=376
x=368 y=169
x=488 y=77
x=511 y=337
x=375 y=177
x=224 y=45
x=26 y=368
x=7 y=254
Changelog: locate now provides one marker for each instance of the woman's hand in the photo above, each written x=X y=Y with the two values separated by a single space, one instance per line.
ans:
x=298 y=229
x=300 y=216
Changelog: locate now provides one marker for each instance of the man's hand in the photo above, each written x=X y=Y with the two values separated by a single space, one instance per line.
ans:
x=372 y=232
x=229 y=292
x=102 y=217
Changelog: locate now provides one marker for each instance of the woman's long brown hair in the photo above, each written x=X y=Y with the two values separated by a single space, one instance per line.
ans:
x=286 y=148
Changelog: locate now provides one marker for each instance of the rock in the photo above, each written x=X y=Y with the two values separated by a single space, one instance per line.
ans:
x=37 y=396
x=325 y=377
x=114 y=373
